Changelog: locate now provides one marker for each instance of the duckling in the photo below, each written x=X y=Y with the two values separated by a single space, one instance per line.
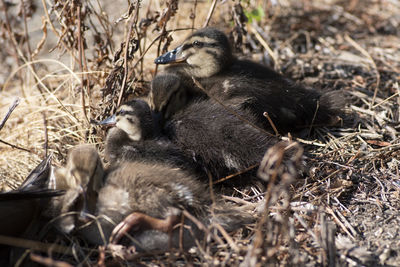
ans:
x=145 y=200
x=206 y=55
x=136 y=136
x=82 y=179
x=222 y=143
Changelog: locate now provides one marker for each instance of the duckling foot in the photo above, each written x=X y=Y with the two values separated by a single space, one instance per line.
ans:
x=138 y=221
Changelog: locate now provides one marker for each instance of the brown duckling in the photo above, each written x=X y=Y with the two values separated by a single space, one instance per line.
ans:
x=206 y=55
x=82 y=178
x=136 y=136
x=147 y=201
x=222 y=143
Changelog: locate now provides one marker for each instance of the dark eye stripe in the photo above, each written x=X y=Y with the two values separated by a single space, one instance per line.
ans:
x=126 y=112
x=187 y=46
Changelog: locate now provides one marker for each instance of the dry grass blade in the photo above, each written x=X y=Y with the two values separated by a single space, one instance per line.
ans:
x=34 y=245
x=10 y=110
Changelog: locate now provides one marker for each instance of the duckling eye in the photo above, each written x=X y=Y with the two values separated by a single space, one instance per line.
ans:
x=121 y=112
x=197 y=44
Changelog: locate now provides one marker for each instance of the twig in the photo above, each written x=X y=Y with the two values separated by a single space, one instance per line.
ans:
x=46 y=11
x=194 y=13
x=386 y=100
x=266 y=47
x=10 y=110
x=227 y=237
x=365 y=53
x=307 y=142
x=199 y=224
x=14 y=146
x=241 y=200
x=40 y=44
x=331 y=212
x=46 y=136
x=126 y=49
x=211 y=190
x=328 y=241
x=47 y=261
x=266 y=115
x=313 y=119
x=236 y=174
x=38 y=246
x=258 y=239
x=346 y=222
x=210 y=13
x=81 y=59
x=305 y=225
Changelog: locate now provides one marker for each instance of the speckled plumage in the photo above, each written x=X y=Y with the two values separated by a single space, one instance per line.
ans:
x=155 y=190
x=136 y=116
x=206 y=55
x=220 y=142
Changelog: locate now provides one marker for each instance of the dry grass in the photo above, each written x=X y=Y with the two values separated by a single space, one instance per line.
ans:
x=343 y=209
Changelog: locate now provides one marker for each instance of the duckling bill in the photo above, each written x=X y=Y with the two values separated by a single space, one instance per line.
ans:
x=207 y=56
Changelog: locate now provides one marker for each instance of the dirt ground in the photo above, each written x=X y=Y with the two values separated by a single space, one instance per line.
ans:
x=344 y=207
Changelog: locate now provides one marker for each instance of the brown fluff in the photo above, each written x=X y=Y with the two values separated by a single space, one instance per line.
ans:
x=220 y=141
x=155 y=190
x=136 y=137
x=206 y=55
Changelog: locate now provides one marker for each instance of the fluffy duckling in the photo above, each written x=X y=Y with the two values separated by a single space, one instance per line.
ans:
x=206 y=55
x=136 y=137
x=82 y=178
x=146 y=201
x=221 y=142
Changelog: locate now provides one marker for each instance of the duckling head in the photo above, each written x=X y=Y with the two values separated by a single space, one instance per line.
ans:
x=166 y=95
x=134 y=118
x=83 y=166
x=203 y=54
x=82 y=178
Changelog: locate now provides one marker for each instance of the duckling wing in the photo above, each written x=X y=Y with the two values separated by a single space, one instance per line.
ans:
x=149 y=188
x=219 y=141
x=250 y=86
